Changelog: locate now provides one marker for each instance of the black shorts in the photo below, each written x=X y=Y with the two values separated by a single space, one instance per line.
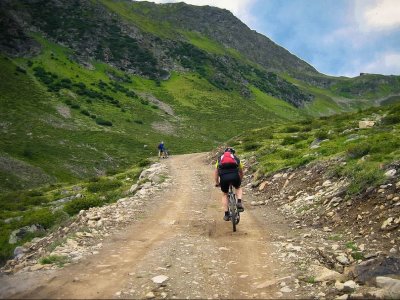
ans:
x=230 y=179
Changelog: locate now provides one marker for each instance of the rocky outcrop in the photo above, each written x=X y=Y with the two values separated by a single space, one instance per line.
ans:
x=353 y=239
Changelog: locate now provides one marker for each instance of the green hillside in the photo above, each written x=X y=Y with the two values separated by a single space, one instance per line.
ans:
x=92 y=86
x=364 y=153
x=88 y=88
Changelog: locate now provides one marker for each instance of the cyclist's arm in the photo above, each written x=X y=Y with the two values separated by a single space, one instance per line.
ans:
x=241 y=171
x=216 y=175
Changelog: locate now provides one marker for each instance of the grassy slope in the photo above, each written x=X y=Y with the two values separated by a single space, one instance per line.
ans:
x=366 y=151
x=74 y=146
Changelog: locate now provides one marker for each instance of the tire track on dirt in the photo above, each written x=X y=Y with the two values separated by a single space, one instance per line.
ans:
x=183 y=238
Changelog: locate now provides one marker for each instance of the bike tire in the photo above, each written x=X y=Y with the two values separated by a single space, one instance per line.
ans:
x=234 y=220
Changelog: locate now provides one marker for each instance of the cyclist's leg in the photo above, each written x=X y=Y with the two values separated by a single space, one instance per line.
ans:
x=224 y=183
x=225 y=201
x=239 y=193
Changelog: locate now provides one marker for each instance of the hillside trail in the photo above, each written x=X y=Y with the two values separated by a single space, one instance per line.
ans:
x=183 y=238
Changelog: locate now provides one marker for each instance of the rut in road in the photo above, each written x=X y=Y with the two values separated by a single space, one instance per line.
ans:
x=183 y=238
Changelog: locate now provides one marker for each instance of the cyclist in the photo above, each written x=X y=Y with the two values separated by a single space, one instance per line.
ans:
x=161 y=149
x=229 y=171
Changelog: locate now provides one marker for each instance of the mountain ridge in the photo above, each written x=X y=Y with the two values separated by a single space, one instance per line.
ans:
x=100 y=72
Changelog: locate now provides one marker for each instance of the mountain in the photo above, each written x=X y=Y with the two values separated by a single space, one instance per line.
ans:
x=90 y=87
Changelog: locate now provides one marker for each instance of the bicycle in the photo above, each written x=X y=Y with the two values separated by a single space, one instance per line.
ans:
x=232 y=208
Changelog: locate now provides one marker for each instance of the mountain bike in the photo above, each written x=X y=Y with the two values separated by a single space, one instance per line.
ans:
x=232 y=208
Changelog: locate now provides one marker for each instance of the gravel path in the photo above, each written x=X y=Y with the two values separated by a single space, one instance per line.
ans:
x=180 y=248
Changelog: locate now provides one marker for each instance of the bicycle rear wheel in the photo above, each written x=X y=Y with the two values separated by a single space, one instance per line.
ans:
x=234 y=220
x=233 y=211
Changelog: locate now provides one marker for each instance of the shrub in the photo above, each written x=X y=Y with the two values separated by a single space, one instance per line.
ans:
x=44 y=217
x=321 y=135
x=144 y=162
x=54 y=259
x=85 y=112
x=363 y=176
x=287 y=154
x=21 y=70
x=103 y=185
x=359 y=150
x=251 y=146
x=391 y=119
x=144 y=102
x=291 y=129
x=289 y=140
x=28 y=153
x=138 y=121
x=103 y=122
x=77 y=205
x=75 y=106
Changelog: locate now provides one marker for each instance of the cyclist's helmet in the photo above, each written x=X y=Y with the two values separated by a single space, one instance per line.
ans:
x=229 y=149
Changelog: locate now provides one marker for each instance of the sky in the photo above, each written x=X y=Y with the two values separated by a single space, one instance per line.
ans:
x=337 y=37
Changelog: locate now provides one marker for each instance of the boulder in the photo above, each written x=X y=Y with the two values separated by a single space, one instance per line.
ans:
x=390 y=173
x=349 y=286
x=390 y=286
x=366 y=124
x=324 y=274
x=367 y=271
x=20 y=233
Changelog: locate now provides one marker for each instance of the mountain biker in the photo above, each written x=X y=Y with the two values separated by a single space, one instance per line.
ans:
x=161 y=149
x=229 y=171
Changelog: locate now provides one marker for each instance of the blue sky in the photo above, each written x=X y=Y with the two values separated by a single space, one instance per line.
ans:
x=337 y=37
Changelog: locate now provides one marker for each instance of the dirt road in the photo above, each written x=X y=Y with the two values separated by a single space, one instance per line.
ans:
x=184 y=238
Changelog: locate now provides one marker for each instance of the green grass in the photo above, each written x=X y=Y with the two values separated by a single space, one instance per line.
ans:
x=57 y=260
x=288 y=145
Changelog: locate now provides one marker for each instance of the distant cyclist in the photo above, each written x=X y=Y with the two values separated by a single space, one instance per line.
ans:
x=229 y=171
x=161 y=150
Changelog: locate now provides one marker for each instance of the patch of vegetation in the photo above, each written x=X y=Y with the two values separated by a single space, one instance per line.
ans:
x=358 y=150
x=364 y=162
x=57 y=260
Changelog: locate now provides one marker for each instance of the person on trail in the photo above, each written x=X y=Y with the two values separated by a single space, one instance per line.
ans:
x=161 y=150
x=229 y=171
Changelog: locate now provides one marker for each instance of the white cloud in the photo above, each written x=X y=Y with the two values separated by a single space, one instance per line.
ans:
x=385 y=14
x=240 y=8
x=378 y=14
x=387 y=64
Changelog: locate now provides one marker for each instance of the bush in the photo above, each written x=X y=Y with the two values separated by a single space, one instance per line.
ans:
x=144 y=163
x=321 y=135
x=21 y=70
x=138 y=122
x=364 y=176
x=287 y=154
x=44 y=217
x=75 y=106
x=77 y=205
x=391 y=119
x=54 y=259
x=103 y=122
x=289 y=140
x=358 y=151
x=251 y=146
x=85 y=112
x=103 y=185
x=291 y=129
